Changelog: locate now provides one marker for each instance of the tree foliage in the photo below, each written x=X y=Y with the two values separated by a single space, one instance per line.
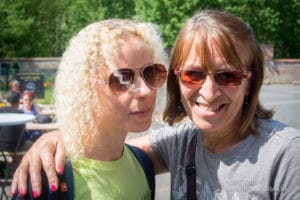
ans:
x=43 y=28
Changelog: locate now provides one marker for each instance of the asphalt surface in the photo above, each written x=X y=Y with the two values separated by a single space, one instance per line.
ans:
x=284 y=99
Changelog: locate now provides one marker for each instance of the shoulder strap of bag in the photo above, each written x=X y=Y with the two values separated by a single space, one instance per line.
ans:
x=147 y=165
x=66 y=187
x=190 y=169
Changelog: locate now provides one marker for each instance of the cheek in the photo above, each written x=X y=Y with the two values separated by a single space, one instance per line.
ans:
x=237 y=95
x=119 y=104
x=186 y=94
x=153 y=96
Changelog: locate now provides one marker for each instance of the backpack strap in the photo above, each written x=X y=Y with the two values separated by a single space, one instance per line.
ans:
x=65 y=190
x=66 y=184
x=190 y=169
x=147 y=165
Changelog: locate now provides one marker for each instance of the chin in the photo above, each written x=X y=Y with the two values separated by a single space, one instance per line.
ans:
x=205 y=126
x=140 y=127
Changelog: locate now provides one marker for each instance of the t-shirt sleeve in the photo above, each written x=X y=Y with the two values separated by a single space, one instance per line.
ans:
x=287 y=172
x=169 y=143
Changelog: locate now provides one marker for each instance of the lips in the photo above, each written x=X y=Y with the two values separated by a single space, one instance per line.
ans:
x=141 y=113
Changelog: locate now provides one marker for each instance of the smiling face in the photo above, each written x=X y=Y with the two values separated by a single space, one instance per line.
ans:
x=27 y=101
x=212 y=107
x=131 y=110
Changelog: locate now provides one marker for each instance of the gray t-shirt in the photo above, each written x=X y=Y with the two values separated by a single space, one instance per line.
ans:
x=264 y=166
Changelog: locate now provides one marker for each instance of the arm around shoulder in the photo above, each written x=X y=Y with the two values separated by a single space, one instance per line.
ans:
x=144 y=144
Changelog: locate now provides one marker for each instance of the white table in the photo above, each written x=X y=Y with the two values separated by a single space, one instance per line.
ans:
x=44 y=127
x=10 y=119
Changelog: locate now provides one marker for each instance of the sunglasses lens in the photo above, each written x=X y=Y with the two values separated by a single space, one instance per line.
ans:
x=154 y=75
x=121 y=79
x=192 y=77
x=229 y=78
x=226 y=78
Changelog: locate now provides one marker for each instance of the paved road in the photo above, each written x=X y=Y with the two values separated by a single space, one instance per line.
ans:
x=284 y=99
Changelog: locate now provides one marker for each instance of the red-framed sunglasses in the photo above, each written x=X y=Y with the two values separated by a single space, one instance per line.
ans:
x=122 y=79
x=225 y=78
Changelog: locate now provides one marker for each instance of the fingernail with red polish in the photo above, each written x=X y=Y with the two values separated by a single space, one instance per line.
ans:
x=35 y=193
x=60 y=169
x=11 y=193
x=53 y=187
x=20 y=192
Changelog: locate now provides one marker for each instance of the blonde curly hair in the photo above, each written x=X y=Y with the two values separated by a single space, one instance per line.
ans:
x=76 y=95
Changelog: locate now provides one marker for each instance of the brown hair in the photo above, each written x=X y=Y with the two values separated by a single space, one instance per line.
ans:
x=236 y=42
x=29 y=93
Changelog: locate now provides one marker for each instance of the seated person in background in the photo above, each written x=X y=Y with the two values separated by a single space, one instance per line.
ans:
x=10 y=141
x=29 y=107
x=12 y=104
x=15 y=86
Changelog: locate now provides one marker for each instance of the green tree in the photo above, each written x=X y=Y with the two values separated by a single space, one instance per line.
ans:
x=170 y=14
x=79 y=13
x=287 y=39
x=273 y=21
x=43 y=28
x=45 y=36
x=29 y=28
x=119 y=8
x=15 y=26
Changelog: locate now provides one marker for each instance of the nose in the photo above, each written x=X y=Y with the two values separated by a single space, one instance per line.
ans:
x=209 y=89
x=139 y=88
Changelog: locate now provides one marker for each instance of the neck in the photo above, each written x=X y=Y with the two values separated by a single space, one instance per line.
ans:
x=27 y=107
x=225 y=138
x=105 y=146
x=220 y=142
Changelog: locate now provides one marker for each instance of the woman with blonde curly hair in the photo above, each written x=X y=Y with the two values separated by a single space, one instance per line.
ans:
x=105 y=87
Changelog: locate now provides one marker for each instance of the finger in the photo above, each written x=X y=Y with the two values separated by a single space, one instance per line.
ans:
x=20 y=176
x=35 y=174
x=48 y=149
x=60 y=157
x=14 y=183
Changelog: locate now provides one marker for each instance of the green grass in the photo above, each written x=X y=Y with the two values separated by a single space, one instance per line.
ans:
x=48 y=97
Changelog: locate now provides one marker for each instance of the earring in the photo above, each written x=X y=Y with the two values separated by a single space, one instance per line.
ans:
x=180 y=107
x=246 y=100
